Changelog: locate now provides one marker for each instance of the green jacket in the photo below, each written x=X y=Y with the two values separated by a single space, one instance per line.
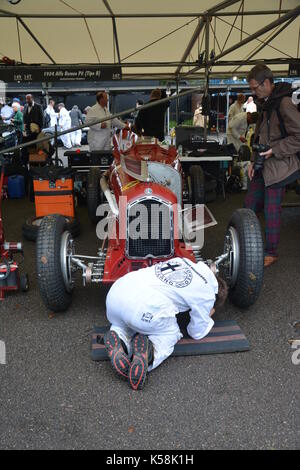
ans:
x=18 y=121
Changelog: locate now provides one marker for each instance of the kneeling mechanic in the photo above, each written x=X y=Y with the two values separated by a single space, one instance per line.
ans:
x=142 y=307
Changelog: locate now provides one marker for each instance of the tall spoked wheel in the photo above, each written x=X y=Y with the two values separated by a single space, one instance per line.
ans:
x=197 y=185
x=94 y=196
x=243 y=270
x=54 y=271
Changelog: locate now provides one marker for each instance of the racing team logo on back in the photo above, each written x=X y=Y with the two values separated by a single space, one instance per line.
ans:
x=147 y=317
x=174 y=273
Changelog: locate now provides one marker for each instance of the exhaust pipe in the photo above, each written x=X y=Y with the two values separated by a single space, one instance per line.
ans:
x=108 y=194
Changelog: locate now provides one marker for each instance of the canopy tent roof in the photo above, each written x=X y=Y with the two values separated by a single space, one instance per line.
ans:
x=161 y=38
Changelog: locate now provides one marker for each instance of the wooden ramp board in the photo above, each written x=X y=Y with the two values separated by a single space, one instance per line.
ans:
x=225 y=337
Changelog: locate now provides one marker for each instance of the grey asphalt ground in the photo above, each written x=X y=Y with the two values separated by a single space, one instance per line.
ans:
x=52 y=396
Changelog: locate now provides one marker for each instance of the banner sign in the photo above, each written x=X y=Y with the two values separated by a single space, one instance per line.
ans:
x=294 y=69
x=31 y=73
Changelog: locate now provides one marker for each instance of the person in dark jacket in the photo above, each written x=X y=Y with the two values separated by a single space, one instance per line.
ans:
x=151 y=121
x=281 y=165
x=33 y=116
x=76 y=120
x=33 y=123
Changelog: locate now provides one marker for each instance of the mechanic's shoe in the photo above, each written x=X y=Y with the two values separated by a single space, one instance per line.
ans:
x=269 y=260
x=116 y=353
x=141 y=358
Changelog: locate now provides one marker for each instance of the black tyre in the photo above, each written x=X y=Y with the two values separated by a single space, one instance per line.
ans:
x=94 y=195
x=210 y=196
x=197 y=184
x=244 y=269
x=31 y=227
x=24 y=283
x=53 y=272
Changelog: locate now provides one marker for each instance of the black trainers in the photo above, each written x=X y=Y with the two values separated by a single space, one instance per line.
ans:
x=141 y=358
x=116 y=353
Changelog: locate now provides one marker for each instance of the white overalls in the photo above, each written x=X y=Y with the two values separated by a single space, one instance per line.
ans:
x=146 y=301
x=237 y=127
x=52 y=114
x=65 y=124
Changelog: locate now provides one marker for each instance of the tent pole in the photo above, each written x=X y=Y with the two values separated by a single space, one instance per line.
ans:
x=9 y=14
x=218 y=108
x=227 y=107
x=177 y=101
x=199 y=28
x=35 y=39
x=56 y=146
x=47 y=94
x=168 y=92
x=273 y=36
x=265 y=29
x=206 y=83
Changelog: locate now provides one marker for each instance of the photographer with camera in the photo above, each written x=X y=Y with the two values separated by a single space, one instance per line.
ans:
x=275 y=162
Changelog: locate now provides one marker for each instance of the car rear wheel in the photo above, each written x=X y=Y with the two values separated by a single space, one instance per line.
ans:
x=94 y=195
x=54 y=271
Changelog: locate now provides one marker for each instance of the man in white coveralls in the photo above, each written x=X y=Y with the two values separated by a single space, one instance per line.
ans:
x=65 y=124
x=142 y=306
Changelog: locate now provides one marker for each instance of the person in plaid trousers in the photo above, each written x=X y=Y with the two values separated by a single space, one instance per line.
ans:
x=279 y=128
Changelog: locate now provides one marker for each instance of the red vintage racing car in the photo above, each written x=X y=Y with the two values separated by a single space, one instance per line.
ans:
x=140 y=222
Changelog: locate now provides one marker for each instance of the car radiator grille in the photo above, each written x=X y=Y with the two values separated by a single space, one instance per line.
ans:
x=150 y=231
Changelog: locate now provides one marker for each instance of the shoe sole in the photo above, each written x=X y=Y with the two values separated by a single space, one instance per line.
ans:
x=118 y=358
x=270 y=263
x=139 y=363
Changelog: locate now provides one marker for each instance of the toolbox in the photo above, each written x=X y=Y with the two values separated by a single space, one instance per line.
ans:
x=78 y=159
x=37 y=156
x=54 y=191
x=101 y=158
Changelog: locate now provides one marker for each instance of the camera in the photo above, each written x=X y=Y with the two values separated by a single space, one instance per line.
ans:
x=296 y=93
x=259 y=160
